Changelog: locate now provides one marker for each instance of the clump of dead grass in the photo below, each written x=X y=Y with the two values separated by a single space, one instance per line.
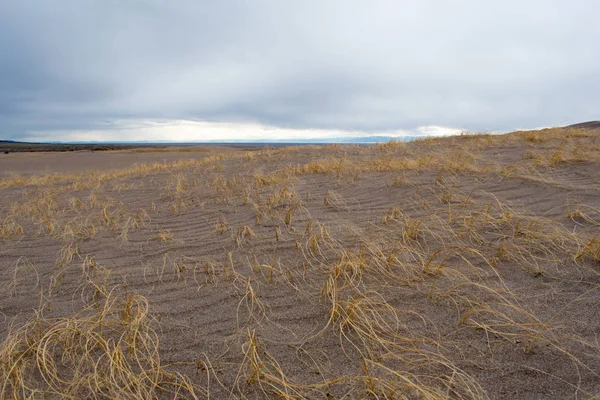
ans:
x=108 y=351
x=10 y=228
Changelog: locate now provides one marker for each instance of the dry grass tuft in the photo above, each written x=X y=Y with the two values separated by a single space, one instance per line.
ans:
x=9 y=228
x=108 y=351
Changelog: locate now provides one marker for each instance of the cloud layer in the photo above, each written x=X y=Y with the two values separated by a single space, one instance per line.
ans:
x=72 y=66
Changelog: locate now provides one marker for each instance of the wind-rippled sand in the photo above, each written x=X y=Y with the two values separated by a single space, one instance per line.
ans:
x=463 y=267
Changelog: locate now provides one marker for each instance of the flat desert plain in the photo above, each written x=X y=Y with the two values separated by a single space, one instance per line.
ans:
x=447 y=268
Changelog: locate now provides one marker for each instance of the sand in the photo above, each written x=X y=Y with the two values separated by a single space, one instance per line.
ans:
x=463 y=267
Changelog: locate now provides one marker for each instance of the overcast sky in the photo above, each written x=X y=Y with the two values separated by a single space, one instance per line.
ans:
x=201 y=70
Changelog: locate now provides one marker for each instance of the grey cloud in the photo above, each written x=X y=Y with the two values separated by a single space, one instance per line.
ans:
x=353 y=65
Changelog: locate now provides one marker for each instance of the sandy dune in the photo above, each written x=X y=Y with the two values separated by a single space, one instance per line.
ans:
x=465 y=267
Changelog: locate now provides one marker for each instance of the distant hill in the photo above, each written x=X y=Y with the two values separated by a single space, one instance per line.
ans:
x=15 y=142
x=11 y=146
x=586 y=125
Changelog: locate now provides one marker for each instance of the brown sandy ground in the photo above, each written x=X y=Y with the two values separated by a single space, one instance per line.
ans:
x=48 y=163
x=465 y=267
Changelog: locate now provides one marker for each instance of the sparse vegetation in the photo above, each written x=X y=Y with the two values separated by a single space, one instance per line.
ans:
x=421 y=270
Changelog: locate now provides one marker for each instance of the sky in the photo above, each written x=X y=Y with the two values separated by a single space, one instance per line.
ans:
x=130 y=70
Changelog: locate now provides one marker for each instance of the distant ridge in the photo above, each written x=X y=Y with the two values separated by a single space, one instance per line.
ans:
x=11 y=146
x=586 y=125
x=16 y=142
x=58 y=146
